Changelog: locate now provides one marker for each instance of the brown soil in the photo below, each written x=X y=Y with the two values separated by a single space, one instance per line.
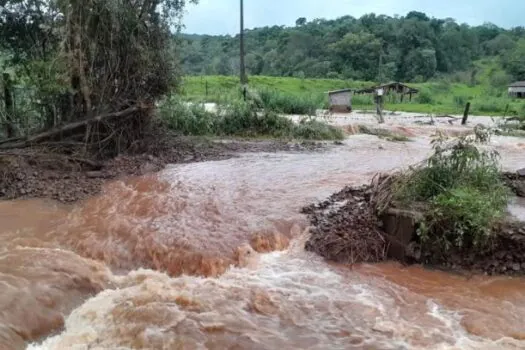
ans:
x=39 y=173
x=345 y=229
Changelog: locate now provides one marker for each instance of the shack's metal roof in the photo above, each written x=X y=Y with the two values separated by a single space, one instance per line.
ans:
x=518 y=84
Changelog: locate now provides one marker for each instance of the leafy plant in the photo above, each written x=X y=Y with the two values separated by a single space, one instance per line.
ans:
x=462 y=192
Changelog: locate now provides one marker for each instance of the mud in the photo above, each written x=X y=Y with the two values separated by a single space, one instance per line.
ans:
x=346 y=230
x=30 y=174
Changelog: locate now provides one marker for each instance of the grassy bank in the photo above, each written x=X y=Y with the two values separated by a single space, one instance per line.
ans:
x=241 y=119
x=439 y=97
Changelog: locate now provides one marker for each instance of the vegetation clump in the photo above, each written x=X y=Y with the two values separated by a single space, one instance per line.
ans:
x=289 y=103
x=461 y=192
x=240 y=118
x=383 y=133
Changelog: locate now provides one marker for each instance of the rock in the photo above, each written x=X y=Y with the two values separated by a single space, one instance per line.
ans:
x=516 y=267
x=521 y=172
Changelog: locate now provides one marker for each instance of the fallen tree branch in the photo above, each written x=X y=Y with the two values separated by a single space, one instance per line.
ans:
x=69 y=127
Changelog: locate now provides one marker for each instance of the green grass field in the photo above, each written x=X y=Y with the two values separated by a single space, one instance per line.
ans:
x=438 y=97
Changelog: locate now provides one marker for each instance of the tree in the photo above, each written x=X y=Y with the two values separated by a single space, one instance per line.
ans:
x=514 y=61
x=126 y=66
x=420 y=63
x=351 y=47
x=301 y=21
x=359 y=52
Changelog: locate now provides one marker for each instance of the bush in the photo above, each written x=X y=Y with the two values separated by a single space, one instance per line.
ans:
x=425 y=97
x=187 y=118
x=466 y=214
x=463 y=192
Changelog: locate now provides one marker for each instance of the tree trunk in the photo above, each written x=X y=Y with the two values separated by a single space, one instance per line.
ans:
x=9 y=106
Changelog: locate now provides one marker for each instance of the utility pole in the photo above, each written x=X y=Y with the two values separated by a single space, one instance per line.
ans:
x=242 y=66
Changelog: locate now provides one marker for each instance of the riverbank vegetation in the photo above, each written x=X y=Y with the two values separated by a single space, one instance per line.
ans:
x=242 y=119
x=460 y=192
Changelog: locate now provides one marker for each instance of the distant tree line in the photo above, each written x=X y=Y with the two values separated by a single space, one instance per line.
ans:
x=373 y=47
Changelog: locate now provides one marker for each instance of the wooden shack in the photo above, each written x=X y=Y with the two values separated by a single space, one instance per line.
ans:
x=340 y=100
x=517 y=89
x=391 y=88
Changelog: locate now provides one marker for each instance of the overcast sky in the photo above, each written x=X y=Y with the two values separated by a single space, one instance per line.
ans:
x=222 y=16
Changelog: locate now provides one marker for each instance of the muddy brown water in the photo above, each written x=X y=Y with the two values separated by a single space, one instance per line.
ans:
x=150 y=264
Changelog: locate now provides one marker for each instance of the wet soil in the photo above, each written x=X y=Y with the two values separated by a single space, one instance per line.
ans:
x=345 y=229
x=41 y=174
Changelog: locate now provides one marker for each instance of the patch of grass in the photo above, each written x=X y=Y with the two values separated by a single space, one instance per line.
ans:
x=242 y=119
x=274 y=100
x=463 y=192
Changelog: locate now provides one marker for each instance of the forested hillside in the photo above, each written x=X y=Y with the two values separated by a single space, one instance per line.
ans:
x=374 y=48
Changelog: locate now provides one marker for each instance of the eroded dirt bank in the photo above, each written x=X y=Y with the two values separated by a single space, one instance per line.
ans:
x=30 y=174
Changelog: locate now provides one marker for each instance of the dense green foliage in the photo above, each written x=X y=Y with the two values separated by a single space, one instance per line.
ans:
x=463 y=192
x=239 y=118
x=437 y=97
x=412 y=48
x=68 y=60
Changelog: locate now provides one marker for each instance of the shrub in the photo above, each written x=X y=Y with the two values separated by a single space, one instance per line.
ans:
x=186 y=118
x=462 y=191
x=465 y=215
x=425 y=96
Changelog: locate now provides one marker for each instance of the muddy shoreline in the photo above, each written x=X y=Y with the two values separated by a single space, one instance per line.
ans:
x=345 y=229
x=26 y=174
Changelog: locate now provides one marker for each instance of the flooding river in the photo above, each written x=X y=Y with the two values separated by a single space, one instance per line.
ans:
x=210 y=256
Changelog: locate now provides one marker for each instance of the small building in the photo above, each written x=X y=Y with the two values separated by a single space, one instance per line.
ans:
x=517 y=89
x=340 y=100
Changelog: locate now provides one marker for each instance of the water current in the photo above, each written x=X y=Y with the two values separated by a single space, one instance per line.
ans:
x=210 y=256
